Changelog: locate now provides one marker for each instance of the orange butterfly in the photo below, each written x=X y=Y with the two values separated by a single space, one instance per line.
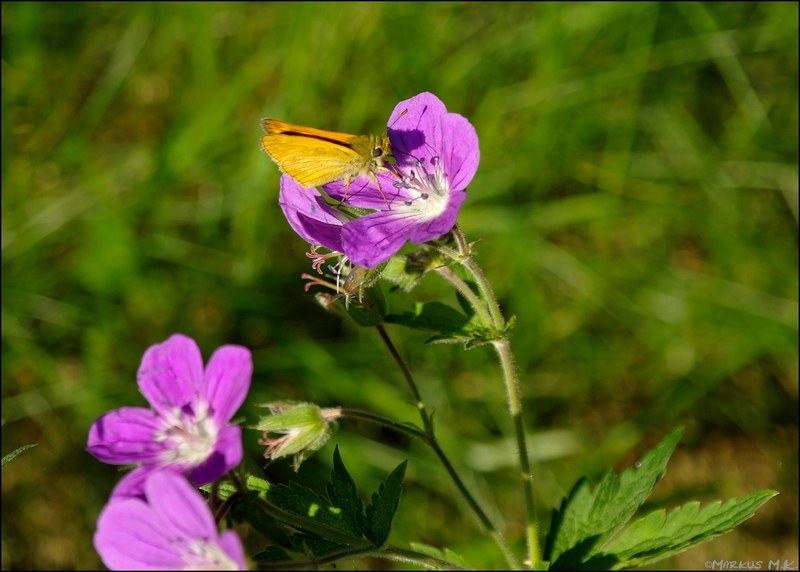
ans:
x=314 y=157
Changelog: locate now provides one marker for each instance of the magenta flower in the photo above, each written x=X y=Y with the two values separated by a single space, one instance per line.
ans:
x=170 y=528
x=187 y=430
x=436 y=156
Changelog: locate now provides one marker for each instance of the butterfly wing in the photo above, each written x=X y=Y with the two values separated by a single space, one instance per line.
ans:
x=311 y=156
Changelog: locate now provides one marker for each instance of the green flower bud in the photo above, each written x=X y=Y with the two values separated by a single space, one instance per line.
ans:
x=304 y=428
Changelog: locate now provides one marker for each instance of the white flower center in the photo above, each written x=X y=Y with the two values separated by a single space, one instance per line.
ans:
x=192 y=436
x=205 y=555
x=429 y=192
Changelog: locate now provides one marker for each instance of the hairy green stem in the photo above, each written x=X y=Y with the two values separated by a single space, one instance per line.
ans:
x=485 y=288
x=513 y=392
x=464 y=289
x=399 y=427
x=514 y=395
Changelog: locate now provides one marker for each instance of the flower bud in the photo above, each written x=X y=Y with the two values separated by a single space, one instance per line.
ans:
x=303 y=429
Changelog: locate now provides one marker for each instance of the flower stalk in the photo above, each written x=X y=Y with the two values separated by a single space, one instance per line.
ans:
x=486 y=304
x=430 y=438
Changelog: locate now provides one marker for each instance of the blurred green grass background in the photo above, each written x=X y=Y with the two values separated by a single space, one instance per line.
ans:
x=636 y=208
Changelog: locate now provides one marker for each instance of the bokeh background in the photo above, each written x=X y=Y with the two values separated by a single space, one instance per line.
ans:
x=636 y=208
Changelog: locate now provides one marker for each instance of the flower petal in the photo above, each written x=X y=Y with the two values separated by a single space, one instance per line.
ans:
x=227 y=381
x=171 y=374
x=232 y=546
x=413 y=128
x=375 y=238
x=180 y=507
x=227 y=454
x=307 y=213
x=125 y=436
x=170 y=528
x=460 y=152
x=129 y=537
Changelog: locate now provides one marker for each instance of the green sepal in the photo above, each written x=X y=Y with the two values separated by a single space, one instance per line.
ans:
x=369 y=309
x=406 y=271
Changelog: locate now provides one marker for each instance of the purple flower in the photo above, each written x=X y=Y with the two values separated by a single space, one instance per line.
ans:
x=187 y=430
x=171 y=528
x=436 y=156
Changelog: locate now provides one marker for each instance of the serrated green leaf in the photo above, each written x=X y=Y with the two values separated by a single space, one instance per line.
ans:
x=249 y=509
x=384 y=504
x=308 y=505
x=342 y=492
x=449 y=324
x=586 y=519
x=659 y=534
x=15 y=453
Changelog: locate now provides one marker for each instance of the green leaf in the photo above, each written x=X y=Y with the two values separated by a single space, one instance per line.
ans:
x=587 y=519
x=450 y=325
x=15 y=453
x=248 y=509
x=272 y=554
x=384 y=504
x=314 y=546
x=433 y=316
x=323 y=526
x=406 y=271
x=659 y=534
x=308 y=505
x=226 y=488
x=342 y=492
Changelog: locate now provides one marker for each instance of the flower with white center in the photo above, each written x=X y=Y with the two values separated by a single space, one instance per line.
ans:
x=187 y=429
x=416 y=200
x=168 y=527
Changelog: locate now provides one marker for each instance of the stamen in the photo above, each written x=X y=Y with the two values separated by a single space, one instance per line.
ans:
x=428 y=190
x=193 y=435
